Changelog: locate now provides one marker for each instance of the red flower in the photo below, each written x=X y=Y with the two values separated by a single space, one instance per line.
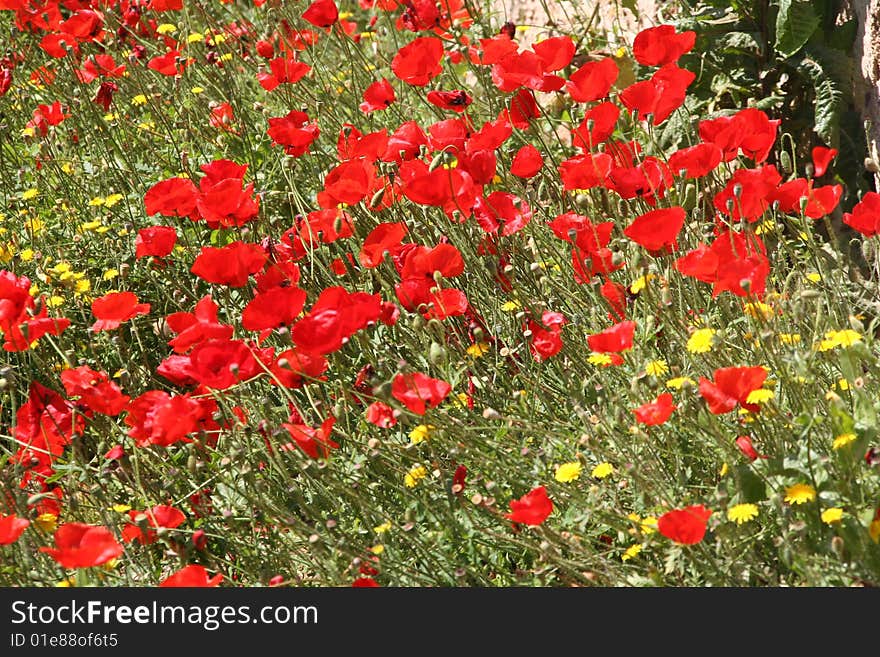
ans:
x=532 y=508
x=661 y=45
x=457 y=100
x=732 y=386
x=748 y=193
x=174 y=197
x=273 y=308
x=418 y=62
x=229 y=265
x=317 y=443
x=155 y=241
x=196 y=327
x=364 y=583
x=459 y=479
x=292 y=367
x=555 y=53
x=95 y=390
x=527 y=162
x=191 y=576
x=159 y=516
x=657 y=230
x=377 y=96
x=696 y=161
x=335 y=317
x=603 y=119
x=283 y=71
x=294 y=132
x=170 y=64
x=114 y=308
x=585 y=171
x=382 y=415
x=592 y=81
x=419 y=392
x=82 y=546
x=660 y=96
x=656 y=412
x=157 y=418
x=821 y=159
x=321 y=13
x=744 y=443
x=733 y=259
x=384 y=238
x=614 y=339
x=865 y=217
x=11 y=527
x=685 y=526
x=347 y=183
x=749 y=129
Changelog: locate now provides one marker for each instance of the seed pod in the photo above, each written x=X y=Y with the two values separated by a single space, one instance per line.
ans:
x=785 y=161
x=437 y=354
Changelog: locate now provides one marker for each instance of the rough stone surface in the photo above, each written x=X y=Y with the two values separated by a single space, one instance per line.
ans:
x=867 y=85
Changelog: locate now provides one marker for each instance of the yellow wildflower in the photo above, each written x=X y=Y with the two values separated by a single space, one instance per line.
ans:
x=800 y=494
x=832 y=515
x=700 y=341
x=567 y=472
x=602 y=470
x=741 y=513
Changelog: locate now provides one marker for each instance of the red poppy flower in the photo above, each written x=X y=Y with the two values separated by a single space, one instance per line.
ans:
x=657 y=230
x=456 y=101
x=865 y=217
x=155 y=241
x=382 y=415
x=159 y=516
x=592 y=81
x=384 y=238
x=748 y=193
x=744 y=443
x=219 y=364
x=321 y=13
x=524 y=69
x=597 y=126
x=418 y=62
x=364 y=583
x=585 y=171
x=157 y=418
x=749 y=130
x=614 y=339
x=11 y=527
x=174 y=197
x=171 y=63
x=316 y=443
x=661 y=45
x=419 y=392
x=732 y=386
x=348 y=182
x=458 y=480
x=533 y=508
x=544 y=342
x=696 y=161
x=656 y=412
x=114 y=453
x=660 y=96
x=502 y=210
x=821 y=159
x=817 y=202
x=555 y=53
x=20 y=336
x=685 y=526
x=292 y=367
x=95 y=390
x=82 y=546
x=273 y=308
x=195 y=327
x=229 y=265
x=527 y=162
x=283 y=71
x=114 y=308
x=735 y=262
x=334 y=318
x=616 y=296
x=378 y=96
x=294 y=132
x=192 y=575
x=522 y=109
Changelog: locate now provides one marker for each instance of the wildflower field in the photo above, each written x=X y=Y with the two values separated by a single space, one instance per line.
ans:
x=399 y=293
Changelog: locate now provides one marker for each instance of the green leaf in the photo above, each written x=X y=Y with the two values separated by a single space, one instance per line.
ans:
x=829 y=101
x=795 y=24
